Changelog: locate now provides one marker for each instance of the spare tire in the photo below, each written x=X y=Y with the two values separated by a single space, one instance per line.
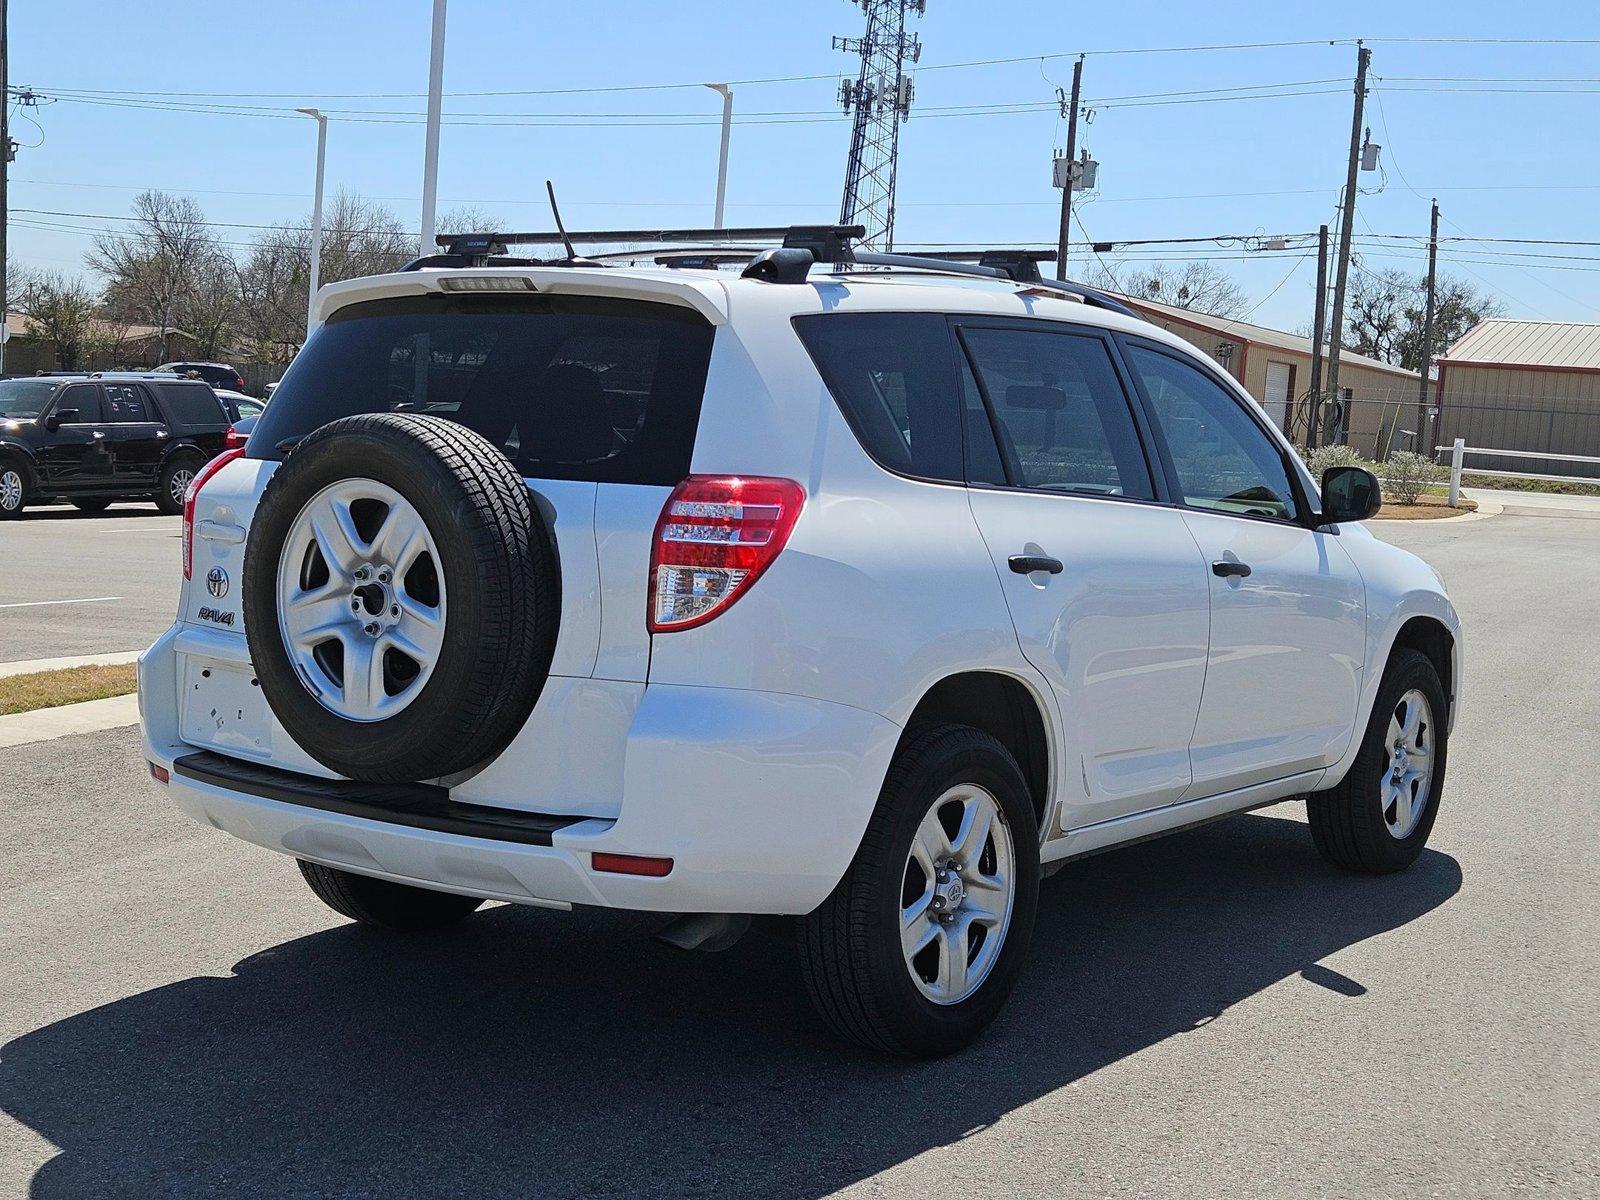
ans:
x=401 y=597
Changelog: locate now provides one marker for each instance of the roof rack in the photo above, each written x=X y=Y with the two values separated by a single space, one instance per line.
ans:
x=800 y=248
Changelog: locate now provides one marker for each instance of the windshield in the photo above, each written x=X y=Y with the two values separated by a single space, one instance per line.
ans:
x=569 y=387
x=24 y=398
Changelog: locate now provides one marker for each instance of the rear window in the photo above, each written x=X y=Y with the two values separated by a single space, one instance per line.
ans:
x=569 y=387
x=188 y=404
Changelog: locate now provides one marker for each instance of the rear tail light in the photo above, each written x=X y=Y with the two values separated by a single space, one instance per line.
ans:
x=716 y=535
x=200 y=480
x=233 y=439
x=239 y=379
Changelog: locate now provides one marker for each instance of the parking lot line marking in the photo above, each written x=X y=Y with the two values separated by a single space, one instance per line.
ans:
x=42 y=603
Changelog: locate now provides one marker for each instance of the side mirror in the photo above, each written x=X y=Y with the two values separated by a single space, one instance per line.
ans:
x=1349 y=494
x=62 y=416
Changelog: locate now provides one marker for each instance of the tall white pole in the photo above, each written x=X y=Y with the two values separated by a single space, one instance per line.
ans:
x=430 y=154
x=316 y=217
x=722 y=160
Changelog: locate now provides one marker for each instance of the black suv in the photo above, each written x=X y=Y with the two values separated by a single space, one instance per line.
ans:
x=93 y=440
x=218 y=375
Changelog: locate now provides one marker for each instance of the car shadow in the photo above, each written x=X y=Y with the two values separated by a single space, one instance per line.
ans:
x=66 y=512
x=537 y=1053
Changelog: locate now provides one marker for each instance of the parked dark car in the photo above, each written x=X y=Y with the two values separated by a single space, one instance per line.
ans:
x=95 y=440
x=218 y=375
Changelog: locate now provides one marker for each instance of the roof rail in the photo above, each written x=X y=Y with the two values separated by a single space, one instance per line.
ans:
x=800 y=247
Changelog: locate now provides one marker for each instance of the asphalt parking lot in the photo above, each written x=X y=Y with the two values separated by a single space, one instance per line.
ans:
x=73 y=584
x=1217 y=1013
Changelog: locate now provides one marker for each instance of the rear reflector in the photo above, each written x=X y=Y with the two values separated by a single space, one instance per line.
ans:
x=200 y=480
x=632 y=864
x=158 y=773
x=716 y=535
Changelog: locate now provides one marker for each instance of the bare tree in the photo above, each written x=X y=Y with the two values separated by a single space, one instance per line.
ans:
x=62 y=310
x=1387 y=311
x=1197 y=286
x=150 y=264
x=208 y=306
x=359 y=237
x=468 y=218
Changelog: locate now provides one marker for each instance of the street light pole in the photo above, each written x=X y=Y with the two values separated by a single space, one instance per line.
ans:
x=430 y=152
x=722 y=160
x=316 y=216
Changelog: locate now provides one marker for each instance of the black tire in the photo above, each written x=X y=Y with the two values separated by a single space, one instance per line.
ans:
x=1347 y=821
x=497 y=558
x=91 y=504
x=850 y=952
x=171 y=475
x=15 y=493
x=395 y=906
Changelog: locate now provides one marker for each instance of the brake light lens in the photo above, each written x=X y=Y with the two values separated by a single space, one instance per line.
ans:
x=233 y=439
x=716 y=535
x=201 y=478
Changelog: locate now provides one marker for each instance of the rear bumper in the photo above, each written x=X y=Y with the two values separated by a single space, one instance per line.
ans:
x=759 y=799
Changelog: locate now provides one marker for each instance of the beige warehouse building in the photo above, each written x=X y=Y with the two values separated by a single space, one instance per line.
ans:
x=1275 y=367
x=1524 y=385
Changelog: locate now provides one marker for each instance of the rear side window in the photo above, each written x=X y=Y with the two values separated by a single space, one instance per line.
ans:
x=191 y=404
x=569 y=387
x=893 y=376
x=1060 y=412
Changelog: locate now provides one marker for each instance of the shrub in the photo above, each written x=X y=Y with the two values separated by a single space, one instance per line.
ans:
x=1323 y=457
x=1406 y=475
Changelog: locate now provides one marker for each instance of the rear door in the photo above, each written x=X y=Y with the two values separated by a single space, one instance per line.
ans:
x=138 y=435
x=1288 y=633
x=1106 y=587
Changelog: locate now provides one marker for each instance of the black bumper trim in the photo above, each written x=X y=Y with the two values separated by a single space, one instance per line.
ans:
x=419 y=805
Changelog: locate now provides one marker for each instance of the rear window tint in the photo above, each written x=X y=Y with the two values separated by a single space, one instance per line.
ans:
x=893 y=375
x=191 y=404
x=569 y=387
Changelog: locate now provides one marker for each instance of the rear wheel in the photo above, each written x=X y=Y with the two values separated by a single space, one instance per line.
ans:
x=91 y=504
x=14 y=490
x=920 y=944
x=176 y=477
x=1377 y=819
x=388 y=905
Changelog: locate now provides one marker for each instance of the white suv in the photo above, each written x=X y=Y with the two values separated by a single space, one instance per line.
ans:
x=867 y=596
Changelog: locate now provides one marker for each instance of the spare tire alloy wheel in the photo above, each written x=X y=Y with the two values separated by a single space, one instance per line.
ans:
x=400 y=598
x=362 y=618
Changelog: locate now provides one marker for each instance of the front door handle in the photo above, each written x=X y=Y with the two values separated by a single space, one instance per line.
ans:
x=1027 y=564
x=1230 y=568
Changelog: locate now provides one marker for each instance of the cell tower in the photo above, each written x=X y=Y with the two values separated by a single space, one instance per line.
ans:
x=880 y=99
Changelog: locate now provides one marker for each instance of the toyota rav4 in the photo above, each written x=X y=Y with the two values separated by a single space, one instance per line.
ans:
x=852 y=588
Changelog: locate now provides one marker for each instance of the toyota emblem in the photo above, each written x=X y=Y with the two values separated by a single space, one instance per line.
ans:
x=217 y=582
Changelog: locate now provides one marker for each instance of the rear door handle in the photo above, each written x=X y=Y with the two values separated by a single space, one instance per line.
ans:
x=1027 y=564
x=1230 y=569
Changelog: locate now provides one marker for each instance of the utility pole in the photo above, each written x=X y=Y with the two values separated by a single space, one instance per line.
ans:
x=5 y=174
x=1319 y=331
x=1347 y=223
x=1066 y=184
x=430 y=150
x=722 y=159
x=1424 y=434
x=880 y=98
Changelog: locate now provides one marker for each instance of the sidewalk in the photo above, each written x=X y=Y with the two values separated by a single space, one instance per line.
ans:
x=1539 y=504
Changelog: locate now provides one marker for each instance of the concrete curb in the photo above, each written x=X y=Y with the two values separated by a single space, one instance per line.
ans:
x=91 y=716
x=1486 y=508
x=30 y=666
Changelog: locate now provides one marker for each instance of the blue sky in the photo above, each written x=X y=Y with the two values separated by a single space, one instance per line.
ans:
x=1505 y=162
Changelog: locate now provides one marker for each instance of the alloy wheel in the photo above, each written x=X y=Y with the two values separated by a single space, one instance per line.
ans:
x=361 y=599
x=10 y=490
x=957 y=893
x=1408 y=769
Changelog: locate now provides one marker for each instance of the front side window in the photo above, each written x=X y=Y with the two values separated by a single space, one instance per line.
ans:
x=1223 y=459
x=891 y=374
x=1060 y=413
x=84 y=398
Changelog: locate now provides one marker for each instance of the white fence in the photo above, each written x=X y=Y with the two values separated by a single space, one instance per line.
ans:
x=1459 y=448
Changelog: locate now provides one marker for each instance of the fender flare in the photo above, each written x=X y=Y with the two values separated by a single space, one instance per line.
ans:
x=19 y=453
